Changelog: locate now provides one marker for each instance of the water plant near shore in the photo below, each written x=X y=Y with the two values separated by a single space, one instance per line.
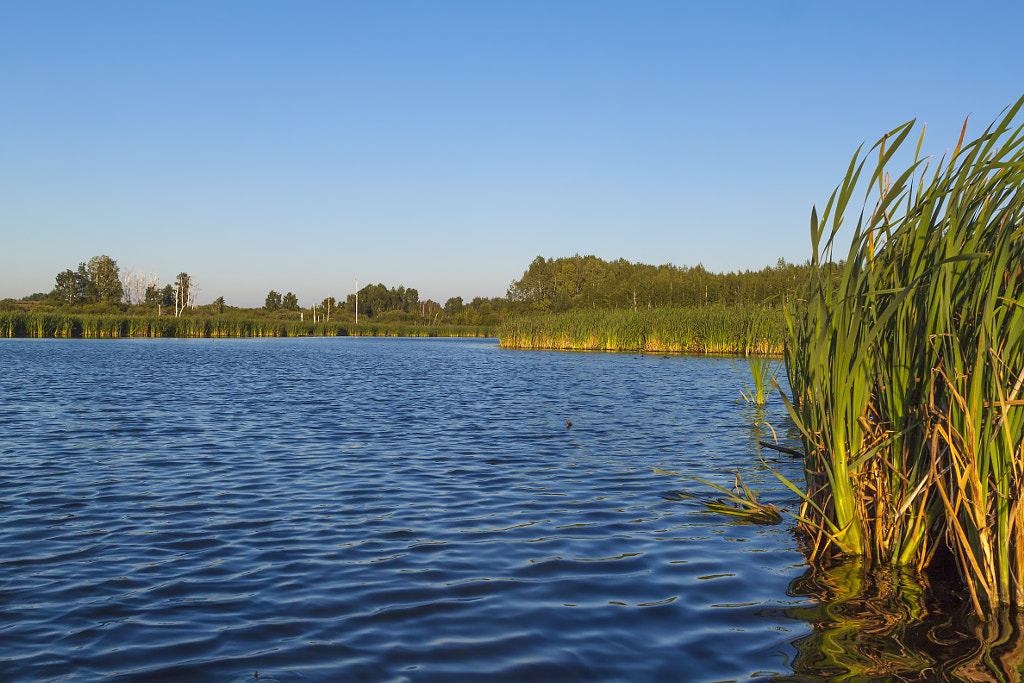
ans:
x=741 y=503
x=907 y=372
x=32 y=324
x=716 y=329
x=763 y=374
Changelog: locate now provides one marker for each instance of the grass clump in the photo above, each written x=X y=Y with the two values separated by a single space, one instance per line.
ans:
x=907 y=370
x=763 y=374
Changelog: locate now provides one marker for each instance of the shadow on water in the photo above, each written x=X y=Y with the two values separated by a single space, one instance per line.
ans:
x=889 y=624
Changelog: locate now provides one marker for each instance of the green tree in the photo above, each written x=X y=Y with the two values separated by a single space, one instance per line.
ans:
x=290 y=302
x=481 y=311
x=89 y=293
x=167 y=296
x=453 y=306
x=327 y=306
x=430 y=309
x=218 y=304
x=105 y=278
x=589 y=282
x=273 y=302
x=375 y=299
x=70 y=289
x=411 y=300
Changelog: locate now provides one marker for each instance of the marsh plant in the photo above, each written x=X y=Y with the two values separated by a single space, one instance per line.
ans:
x=907 y=371
x=739 y=330
x=32 y=324
x=763 y=373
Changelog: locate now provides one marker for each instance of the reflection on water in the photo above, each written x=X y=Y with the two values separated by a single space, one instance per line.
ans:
x=888 y=624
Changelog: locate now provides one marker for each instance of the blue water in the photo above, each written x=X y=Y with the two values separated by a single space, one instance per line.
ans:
x=382 y=510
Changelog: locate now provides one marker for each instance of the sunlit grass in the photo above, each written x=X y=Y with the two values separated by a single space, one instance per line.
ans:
x=725 y=330
x=93 y=326
x=763 y=373
x=907 y=372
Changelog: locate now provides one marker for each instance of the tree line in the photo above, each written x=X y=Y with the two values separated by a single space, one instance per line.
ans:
x=99 y=281
x=588 y=282
x=547 y=285
x=392 y=304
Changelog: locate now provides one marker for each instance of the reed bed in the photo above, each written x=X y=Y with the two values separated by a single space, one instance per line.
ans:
x=716 y=329
x=33 y=324
x=907 y=371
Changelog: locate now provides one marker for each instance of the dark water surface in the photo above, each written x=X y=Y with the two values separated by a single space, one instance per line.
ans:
x=388 y=509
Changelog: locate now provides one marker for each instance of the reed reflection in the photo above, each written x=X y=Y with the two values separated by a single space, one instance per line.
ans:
x=893 y=624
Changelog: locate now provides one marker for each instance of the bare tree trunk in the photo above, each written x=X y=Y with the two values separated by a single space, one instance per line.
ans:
x=126 y=286
x=193 y=293
x=140 y=287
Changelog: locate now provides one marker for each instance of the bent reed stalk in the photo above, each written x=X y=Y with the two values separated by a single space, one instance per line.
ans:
x=907 y=371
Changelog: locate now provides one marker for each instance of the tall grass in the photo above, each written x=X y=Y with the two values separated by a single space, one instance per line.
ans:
x=763 y=374
x=907 y=371
x=33 y=324
x=727 y=330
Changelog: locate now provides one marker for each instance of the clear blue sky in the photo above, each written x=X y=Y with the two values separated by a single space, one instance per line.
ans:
x=443 y=145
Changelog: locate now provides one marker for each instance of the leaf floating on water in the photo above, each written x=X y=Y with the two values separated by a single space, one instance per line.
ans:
x=678 y=494
x=760 y=514
x=667 y=473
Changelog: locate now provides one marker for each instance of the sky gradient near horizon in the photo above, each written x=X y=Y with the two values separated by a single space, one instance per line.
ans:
x=443 y=145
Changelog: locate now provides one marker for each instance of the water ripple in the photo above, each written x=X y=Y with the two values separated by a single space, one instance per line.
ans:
x=378 y=510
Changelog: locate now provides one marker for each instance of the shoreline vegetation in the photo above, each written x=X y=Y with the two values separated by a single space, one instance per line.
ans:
x=711 y=330
x=576 y=302
x=24 y=324
x=707 y=330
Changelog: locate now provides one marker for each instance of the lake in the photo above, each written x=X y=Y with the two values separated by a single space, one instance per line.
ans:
x=413 y=510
